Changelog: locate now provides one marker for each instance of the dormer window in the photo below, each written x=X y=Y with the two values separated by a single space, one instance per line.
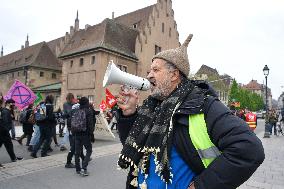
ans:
x=135 y=26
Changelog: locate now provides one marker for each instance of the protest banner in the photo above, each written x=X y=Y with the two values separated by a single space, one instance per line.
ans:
x=21 y=94
x=102 y=128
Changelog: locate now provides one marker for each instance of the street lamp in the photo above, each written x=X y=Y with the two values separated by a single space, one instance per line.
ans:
x=266 y=132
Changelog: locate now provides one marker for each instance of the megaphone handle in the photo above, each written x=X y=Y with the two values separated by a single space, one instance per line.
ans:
x=127 y=88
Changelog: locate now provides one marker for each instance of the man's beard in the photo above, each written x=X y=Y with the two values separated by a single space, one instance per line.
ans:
x=162 y=89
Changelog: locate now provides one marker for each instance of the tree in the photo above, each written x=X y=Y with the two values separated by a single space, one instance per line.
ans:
x=247 y=99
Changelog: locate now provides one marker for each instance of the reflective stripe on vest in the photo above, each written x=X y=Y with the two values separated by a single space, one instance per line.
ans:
x=199 y=136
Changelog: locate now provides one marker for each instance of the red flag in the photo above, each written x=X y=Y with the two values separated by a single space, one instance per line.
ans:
x=110 y=99
x=103 y=106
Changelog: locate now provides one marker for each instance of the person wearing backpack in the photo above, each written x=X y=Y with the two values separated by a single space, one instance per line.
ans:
x=82 y=127
x=27 y=125
x=5 y=125
x=45 y=119
x=182 y=136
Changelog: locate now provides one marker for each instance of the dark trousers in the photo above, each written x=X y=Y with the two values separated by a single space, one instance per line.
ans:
x=80 y=141
x=29 y=137
x=5 y=139
x=72 y=149
x=273 y=126
x=45 y=138
x=61 y=128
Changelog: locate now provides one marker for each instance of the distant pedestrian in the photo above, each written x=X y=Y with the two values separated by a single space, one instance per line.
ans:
x=82 y=127
x=45 y=120
x=272 y=120
x=5 y=126
x=27 y=125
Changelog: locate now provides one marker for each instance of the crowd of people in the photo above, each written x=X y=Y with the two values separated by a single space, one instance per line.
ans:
x=39 y=128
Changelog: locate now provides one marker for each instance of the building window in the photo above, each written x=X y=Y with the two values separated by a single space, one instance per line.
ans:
x=170 y=32
x=53 y=75
x=135 y=26
x=81 y=61
x=13 y=75
x=157 y=49
x=122 y=67
x=18 y=74
x=71 y=63
x=93 y=59
x=41 y=74
x=91 y=98
x=163 y=27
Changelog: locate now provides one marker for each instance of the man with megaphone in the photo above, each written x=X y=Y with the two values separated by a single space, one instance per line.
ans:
x=183 y=136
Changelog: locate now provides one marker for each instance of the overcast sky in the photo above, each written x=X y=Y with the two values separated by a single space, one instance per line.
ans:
x=235 y=37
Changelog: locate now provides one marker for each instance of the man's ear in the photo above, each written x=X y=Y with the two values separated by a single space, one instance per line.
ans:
x=175 y=75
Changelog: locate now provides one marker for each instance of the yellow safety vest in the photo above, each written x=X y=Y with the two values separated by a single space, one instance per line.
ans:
x=207 y=151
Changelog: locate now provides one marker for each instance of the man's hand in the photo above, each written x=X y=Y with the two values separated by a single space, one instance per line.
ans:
x=127 y=101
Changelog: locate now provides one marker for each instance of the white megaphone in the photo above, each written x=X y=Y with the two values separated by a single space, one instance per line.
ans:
x=114 y=75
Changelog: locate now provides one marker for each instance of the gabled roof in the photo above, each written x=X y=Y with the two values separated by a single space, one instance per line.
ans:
x=207 y=70
x=139 y=17
x=108 y=35
x=38 y=55
x=52 y=44
x=253 y=85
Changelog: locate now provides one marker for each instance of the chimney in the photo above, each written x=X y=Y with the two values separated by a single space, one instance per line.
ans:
x=22 y=47
x=1 y=51
x=112 y=15
x=27 y=42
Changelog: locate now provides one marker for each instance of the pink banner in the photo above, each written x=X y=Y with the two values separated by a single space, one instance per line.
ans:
x=21 y=94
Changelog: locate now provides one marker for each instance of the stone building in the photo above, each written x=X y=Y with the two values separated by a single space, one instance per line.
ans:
x=259 y=89
x=82 y=55
x=220 y=83
x=130 y=40
x=34 y=65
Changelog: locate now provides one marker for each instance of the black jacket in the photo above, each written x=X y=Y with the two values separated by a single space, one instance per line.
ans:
x=242 y=151
x=28 y=127
x=50 y=120
x=6 y=119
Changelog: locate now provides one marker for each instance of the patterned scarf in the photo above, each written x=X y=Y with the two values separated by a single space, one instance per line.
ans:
x=152 y=133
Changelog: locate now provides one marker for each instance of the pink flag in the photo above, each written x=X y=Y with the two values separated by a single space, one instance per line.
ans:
x=21 y=94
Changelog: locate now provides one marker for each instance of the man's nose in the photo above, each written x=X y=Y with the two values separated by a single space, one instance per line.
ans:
x=150 y=75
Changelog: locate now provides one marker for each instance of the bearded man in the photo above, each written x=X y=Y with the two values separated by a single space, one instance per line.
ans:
x=183 y=136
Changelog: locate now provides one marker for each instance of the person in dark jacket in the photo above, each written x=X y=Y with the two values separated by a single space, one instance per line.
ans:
x=45 y=127
x=159 y=145
x=83 y=138
x=27 y=126
x=67 y=109
x=5 y=125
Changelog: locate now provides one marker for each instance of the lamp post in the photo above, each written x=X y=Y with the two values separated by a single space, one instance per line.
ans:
x=266 y=132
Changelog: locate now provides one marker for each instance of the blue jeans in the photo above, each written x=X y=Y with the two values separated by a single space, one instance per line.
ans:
x=36 y=136
x=65 y=139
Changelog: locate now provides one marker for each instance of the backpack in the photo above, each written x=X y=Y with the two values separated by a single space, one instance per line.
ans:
x=31 y=119
x=78 y=120
x=40 y=114
x=23 y=116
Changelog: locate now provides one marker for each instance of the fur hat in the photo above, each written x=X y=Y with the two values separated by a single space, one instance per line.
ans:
x=177 y=56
